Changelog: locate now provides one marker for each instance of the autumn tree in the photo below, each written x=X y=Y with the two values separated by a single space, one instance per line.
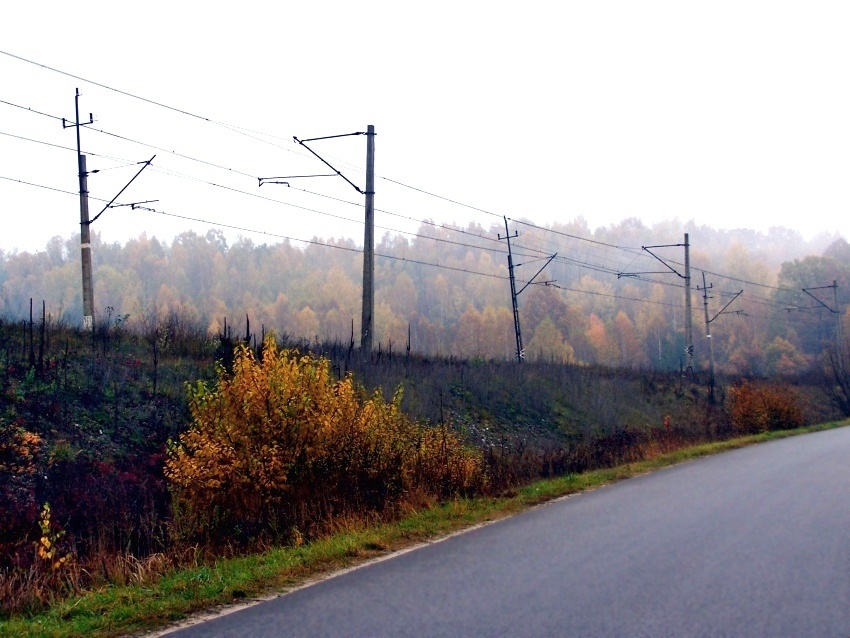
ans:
x=468 y=338
x=782 y=358
x=605 y=348
x=548 y=344
x=631 y=352
x=497 y=330
x=202 y=275
x=390 y=328
x=305 y=324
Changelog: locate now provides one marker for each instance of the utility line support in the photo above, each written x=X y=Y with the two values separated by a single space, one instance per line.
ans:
x=370 y=131
x=85 y=222
x=277 y=180
x=689 y=326
x=520 y=351
x=367 y=324
x=689 y=333
x=85 y=232
x=112 y=204
x=531 y=281
x=705 y=299
x=723 y=309
x=835 y=311
x=137 y=205
x=705 y=288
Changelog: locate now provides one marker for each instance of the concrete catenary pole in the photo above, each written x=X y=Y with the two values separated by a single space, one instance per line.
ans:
x=708 y=337
x=520 y=351
x=368 y=318
x=85 y=225
x=689 y=329
x=85 y=247
x=839 y=345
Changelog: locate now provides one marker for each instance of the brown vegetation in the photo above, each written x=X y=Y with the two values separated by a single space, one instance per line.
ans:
x=279 y=445
x=761 y=407
x=275 y=444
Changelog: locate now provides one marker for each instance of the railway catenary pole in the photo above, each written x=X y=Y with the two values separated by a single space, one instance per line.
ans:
x=708 y=337
x=689 y=327
x=367 y=324
x=85 y=226
x=368 y=316
x=839 y=344
x=520 y=352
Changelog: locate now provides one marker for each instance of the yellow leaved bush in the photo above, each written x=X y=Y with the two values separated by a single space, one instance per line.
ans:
x=279 y=444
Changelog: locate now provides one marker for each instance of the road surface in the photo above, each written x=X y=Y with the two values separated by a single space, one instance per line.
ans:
x=754 y=542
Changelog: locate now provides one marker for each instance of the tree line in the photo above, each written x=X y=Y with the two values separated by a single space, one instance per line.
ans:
x=445 y=291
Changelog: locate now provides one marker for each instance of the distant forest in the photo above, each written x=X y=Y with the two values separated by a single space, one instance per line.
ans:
x=614 y=296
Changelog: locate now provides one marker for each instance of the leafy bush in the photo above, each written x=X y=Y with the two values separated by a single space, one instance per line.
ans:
x=279 y=445
x=755 y=408
x=20 y=460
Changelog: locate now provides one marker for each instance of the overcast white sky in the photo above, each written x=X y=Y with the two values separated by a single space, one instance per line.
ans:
x=733 y=114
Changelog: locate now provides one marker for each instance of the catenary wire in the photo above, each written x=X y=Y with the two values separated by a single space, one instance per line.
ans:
x=239 y=172
x=346 y=248
x=242 y=131
x=246 y=131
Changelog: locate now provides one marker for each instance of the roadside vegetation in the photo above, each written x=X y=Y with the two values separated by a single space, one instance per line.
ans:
x=154 y=598
x=146 y=473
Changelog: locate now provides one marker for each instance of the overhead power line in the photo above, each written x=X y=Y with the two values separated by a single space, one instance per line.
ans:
x=496 y=250
x=446 y=199
x=242 y=131
x=119 y=91
x=316 y=243
x=585 y=239
x=253 y=134
x=266 y=137
x=49 y=188
x=25 y=108
x=231 y=170
x=560 y=258
x=166 y=171
x=744 y=281
x=245 y=174
x=350 y=249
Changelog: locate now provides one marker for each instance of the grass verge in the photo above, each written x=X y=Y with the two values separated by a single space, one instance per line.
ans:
x=119 y=611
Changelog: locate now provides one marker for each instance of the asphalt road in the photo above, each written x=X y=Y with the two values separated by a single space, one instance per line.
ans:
x=754 y=542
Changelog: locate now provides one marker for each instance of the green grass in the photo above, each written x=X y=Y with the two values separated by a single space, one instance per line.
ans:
x=117 y=611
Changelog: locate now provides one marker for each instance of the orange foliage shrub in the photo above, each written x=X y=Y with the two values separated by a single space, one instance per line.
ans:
x=755 y=408
x=19 y=450
x=21 y=458
x=279 y=444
